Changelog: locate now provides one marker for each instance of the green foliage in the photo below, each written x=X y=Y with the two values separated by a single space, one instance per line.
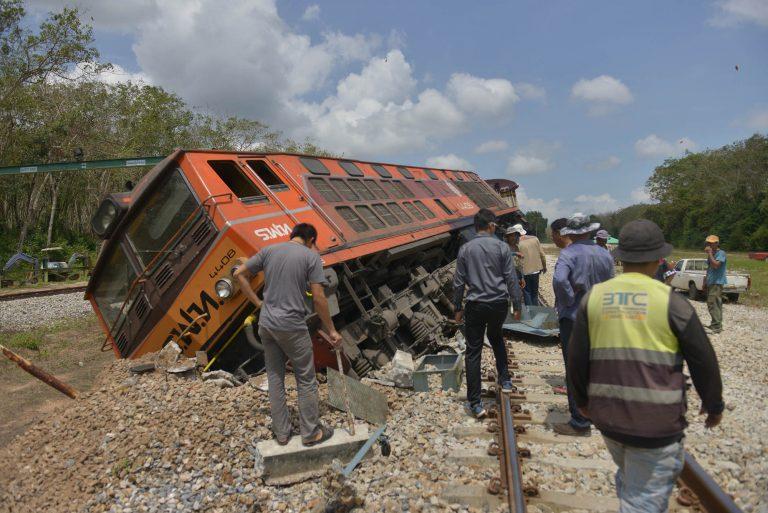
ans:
x=25 y=340
x=722 y=191
x=539 y=223
x=613 y=221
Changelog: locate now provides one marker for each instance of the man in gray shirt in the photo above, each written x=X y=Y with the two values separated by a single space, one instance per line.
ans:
x=485 y=267
x=289 y=269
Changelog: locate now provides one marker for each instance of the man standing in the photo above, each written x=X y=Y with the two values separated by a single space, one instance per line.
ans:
x=625 y=368
x=601 y=239
x=534 y=264
x=289 y=268
x=513 y=235
x=485 y=267
x=716 y=261
x=579 y=266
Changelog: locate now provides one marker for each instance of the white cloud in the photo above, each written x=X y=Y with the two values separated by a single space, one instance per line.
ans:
x=758 y=120
x=640 y=195
x=654 y=146
x=605 y=164
x=596 y=203
x=603 y=94
x=350 y=93
x=111 y=75
x=534 y=159
x=551 y=209
x=311 y=13
x=479 y=95
x=491 y=146
x=530 y=91
x=733 y=12
x=449 y=161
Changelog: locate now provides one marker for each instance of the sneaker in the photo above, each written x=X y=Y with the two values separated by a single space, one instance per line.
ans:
x=560 y=390
x=714 y=331
x=507 y=385
x=477 y=410
x=568 y=430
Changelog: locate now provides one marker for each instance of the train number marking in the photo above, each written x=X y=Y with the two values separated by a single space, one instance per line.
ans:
x=273 y=232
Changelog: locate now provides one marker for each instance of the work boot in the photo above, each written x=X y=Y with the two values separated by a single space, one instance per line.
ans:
x=568 y=429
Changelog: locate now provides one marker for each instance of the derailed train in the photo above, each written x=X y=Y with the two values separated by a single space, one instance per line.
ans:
x=388 y=236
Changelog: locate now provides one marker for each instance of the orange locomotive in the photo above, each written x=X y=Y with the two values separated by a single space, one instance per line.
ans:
x=388 y=236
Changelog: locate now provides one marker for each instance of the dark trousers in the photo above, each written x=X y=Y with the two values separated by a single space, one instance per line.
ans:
x=479 y=317
x=577 y=420
x=531 y=290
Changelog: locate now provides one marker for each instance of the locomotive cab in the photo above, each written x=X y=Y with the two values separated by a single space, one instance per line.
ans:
x=387 y=234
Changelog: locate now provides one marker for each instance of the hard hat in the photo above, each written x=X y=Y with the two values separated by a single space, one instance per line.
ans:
x=714 y=239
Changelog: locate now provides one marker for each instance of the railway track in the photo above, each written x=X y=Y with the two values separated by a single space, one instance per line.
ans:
x=11 y=295
x=696 y=490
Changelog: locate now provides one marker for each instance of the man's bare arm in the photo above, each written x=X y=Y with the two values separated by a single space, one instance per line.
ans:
x=243 y=277
x=322 y=310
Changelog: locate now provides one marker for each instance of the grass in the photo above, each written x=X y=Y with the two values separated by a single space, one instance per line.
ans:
x=35 y=338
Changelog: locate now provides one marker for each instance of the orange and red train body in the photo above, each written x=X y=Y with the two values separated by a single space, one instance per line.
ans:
x=387 y=237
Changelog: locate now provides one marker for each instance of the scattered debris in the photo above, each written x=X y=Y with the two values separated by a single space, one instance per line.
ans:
x=142 y=368
x=221 y=378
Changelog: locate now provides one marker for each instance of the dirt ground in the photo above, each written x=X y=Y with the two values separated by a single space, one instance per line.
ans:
x=70 y=351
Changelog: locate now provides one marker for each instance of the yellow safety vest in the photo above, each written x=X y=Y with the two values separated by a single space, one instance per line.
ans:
x=636 y=385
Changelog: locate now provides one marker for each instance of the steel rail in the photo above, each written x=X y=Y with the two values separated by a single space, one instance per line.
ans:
x=12 y=296
x=711 y=497
x=511 y=473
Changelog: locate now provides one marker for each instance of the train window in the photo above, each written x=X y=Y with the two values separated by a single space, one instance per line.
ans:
x=314 y=166
x=391 y=189
x=382 y=171
x=431 y=174
x=267 y=175
x=404 y=190
x=405 y=172
x=415 y=213
x=325 y=189
x=359 y=187
x=385 y=214
x=444 y=207
x=162 y=215
x=376 y=189
x=371 y=218
x=426 y=211
x=352 y=219
x=350 y=168
x=424 y=188
x=237 y=181
x=399 y=212
x=345 y=190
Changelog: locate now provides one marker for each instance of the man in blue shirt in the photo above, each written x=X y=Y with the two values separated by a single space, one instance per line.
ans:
x=579 y=266
x=715 y=280
x=485 y=272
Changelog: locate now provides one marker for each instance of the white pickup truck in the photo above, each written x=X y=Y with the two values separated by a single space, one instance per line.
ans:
x=690 y=275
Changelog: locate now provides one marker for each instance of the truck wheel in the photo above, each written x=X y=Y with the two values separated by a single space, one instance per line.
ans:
x=733 y=298
x=693 y=292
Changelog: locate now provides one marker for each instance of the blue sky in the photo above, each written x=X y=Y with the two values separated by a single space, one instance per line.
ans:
x=576 y=101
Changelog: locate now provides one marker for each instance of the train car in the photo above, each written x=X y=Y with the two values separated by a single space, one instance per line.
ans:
x=388 y=236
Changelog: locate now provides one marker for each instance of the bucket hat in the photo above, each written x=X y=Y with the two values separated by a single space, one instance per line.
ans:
x=602 y=234
x=712 y=239
x=579 y=224
x=518 y=228
x=641 y=241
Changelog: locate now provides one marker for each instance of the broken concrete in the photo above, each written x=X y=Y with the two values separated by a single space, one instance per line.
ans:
x=293 y=463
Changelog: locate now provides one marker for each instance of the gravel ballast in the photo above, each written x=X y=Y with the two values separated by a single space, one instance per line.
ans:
x=35 y=312
x=163 y=443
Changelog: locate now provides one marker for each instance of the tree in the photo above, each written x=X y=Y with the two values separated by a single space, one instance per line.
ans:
x=538 y=222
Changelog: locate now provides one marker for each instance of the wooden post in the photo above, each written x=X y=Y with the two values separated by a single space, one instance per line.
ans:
x=39 y=373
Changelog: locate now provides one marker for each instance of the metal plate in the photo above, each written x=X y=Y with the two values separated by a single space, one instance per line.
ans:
x=365 y=402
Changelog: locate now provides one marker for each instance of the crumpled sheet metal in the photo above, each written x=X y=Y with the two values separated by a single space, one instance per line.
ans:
x=540 y=321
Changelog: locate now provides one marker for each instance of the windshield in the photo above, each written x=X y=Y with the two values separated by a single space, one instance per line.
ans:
x=161 y=217
x=114 y=283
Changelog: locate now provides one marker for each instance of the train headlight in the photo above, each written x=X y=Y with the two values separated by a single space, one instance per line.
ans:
x=106 y=218
x=224 y=288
